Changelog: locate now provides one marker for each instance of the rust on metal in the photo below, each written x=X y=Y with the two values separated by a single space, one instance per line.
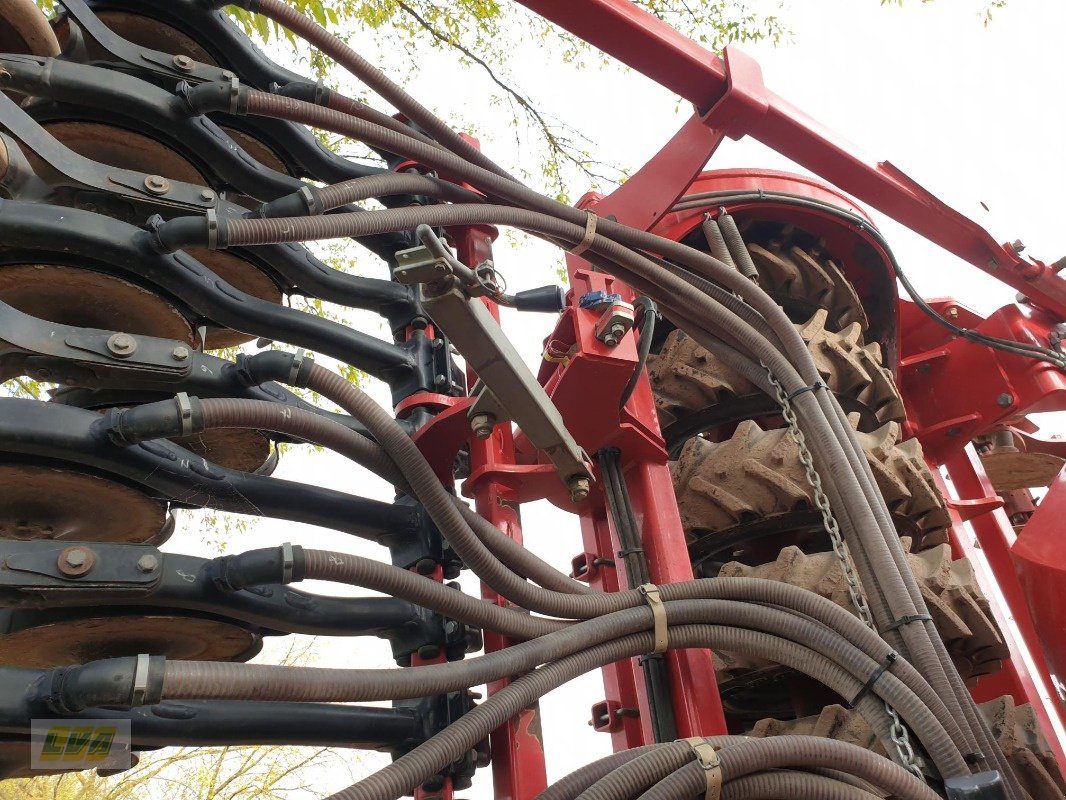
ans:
x=40 y=502
x=24 y=29
x=81 y=639
x=87 y=299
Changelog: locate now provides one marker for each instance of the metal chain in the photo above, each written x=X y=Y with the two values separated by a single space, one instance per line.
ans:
x=900 y=735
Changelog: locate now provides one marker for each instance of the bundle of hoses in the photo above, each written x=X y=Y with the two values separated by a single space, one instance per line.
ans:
x=712 y=302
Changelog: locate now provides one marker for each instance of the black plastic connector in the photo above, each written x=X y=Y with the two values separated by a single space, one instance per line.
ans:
x=303 y=203
x=229 y=96
x=271 y=565
x=546 y=299
x=981 y=786
x=316 y=93
x=181 y=415
x=292 y=369
x=179 y=233
x=115 y=682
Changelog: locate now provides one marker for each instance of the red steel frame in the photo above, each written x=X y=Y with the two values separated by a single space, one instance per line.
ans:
x=955 y=390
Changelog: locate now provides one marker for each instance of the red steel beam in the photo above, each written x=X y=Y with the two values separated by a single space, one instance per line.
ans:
x=653 y=48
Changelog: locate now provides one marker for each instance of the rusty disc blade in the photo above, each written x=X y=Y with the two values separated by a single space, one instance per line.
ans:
x=257 y=150
x=87 y=299
x=84 y=636
x=242 y=275
x=233 y=448
x=24 y=29
x=43 y=502
x=124 y=148
x=156 y=35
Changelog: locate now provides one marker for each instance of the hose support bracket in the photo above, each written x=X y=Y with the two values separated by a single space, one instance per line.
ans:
x=590 y=234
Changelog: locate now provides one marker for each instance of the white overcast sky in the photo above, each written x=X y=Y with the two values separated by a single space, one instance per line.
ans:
x=973 y=113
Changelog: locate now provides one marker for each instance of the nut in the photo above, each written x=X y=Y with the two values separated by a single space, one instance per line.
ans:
x=121 y=344
x=179 y=353
x=1005 y=400
x=147 y=563
x=482 y=425
x=579 y=489
x=156 y=184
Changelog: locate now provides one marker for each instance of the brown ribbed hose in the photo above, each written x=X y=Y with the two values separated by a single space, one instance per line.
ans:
x=288 y=17
x=776 y=785
x=427 y=759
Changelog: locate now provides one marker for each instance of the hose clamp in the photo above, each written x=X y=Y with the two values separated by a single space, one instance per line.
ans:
x=234 y=94
x=310 y=199
x=288 y=562
x=299 y=358
x=658 y=612
x=140 y=679
x=211 y=217
x=708 y=759
x=184 y=413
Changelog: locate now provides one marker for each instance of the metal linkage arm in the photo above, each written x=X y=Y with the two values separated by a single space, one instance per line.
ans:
x=663 y=54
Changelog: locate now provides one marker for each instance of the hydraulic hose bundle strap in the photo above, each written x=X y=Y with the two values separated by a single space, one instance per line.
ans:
x=590 y=234
x=707 y=757
x=658 y=613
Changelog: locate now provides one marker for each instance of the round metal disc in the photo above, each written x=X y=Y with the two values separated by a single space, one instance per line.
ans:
x=234 y=448
x=24 y=29
x=126 y=149
x=85 y=637
x=148 y=32
x=257 y=150
x=72 y=296
x=43 y=502
x=1009 y=470
x=242 y=275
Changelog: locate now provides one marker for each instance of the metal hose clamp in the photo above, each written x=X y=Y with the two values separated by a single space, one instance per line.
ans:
x=288 y=562
x=184 y=413
x=140 y=679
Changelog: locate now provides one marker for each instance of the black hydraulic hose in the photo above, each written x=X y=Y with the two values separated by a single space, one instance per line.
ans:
x=645 y=326
x=656 y=679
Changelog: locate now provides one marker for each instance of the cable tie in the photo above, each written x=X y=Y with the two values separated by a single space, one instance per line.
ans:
x=890 y=659
x=907 y=620
x=590 y=234
x=658 y=613
x=814 y=387
x=629 y=551
x=708 y=759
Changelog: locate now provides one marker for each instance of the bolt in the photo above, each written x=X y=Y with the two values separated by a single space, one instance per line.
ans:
x=156 y=184
x=121 y=344
x=207 y=195
x=147 y=563
x=75 y=558
x=579 y=489
x=482 y=425
x=1018 y=246
x=75 y=561
x=180 y=353
x=614 y=335
x=953 y=313
x=1005 y=400
x=184 y=63
x=440 y=380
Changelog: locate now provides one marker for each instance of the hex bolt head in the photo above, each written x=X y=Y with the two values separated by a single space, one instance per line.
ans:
x=579 y=489
x=1005 y=400
x=75 y=561
x=179 y=353
x=207 y=195
x=121 y=344
x=184 y=63
x=440 y=380
x=147 y=563
x=482 y=425
x=75 y=558
x=156 y=184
